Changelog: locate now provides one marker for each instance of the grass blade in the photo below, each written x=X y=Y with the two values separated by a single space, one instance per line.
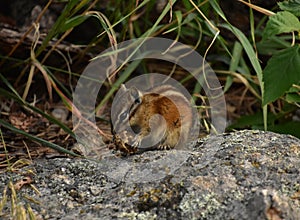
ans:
x=34 y=138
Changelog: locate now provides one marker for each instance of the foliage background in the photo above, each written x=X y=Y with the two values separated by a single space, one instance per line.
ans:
x=253 y=47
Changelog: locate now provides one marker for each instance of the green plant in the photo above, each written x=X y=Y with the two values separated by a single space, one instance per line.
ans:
x=281 y=74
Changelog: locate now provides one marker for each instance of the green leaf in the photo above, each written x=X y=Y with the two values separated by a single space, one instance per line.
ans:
x=273 y=44
x=292 y=6
x=247 y=121
x=71 y=8
x=234 y=63
x=281 y=22
x=73 y=22
x=282 y=70
x=216 y=6
x=249 y=51
x=254 y=121
x=291 y=127
x=236 y=56
x=292 y=97
x=11 y=88
x=187 y=5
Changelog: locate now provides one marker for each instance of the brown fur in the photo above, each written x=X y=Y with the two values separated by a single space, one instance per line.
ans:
x=175 y=111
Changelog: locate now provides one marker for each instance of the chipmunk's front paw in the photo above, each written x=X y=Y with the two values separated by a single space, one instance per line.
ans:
x=136 y=142
x=123 y=147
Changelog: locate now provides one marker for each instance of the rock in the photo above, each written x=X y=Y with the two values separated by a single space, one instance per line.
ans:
x=241 y=175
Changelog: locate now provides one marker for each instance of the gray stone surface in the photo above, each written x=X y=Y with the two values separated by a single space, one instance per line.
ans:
x=241 y=175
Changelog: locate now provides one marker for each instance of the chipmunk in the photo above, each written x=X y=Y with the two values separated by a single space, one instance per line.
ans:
x=161 y=118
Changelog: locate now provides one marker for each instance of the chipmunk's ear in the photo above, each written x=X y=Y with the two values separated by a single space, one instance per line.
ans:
x=136 y=94
x=123 y=88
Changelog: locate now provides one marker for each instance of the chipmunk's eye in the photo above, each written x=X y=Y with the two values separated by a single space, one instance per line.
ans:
x=123 y=116
x=138 y=100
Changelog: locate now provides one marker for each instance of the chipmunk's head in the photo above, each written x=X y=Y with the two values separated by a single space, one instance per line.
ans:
x=124 y=105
